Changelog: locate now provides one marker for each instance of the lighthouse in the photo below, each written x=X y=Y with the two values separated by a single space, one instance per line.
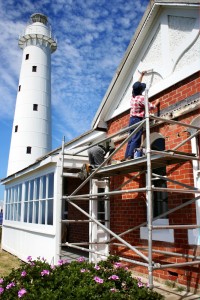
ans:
x=31 y=132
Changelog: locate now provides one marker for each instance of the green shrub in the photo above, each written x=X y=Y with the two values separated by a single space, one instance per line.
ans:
x=76 y=280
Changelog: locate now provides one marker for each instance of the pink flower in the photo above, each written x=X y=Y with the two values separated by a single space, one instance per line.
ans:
x=52 y=267
x=62 y=262
x=140 y=284
x=1 y=280
x=81 y=259
x=117 y=265
x=45 y=272
x=21 y=293
x=113 y=290
x=83 y=270
x=23 y=273
x=98 y=279
x=1 y=290
x=114 y=277
x=96 y=267
x=29 y=258
x=10 y=285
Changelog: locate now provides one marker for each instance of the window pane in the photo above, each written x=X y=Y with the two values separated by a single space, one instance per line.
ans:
x=7 y=212
x=51 y=185
x=20 y=193
x=34 y=68
x=50 y=212
x=25 y=211
x=43 y=187
x=11 y=195
x=7 y=195
x=11 y=212
x=30 y=212
x=19 y=212
x=35 y=107
x=101 y=206
x=36 y=212
x=37 y=188
x=160 y=199
x=15 y=194
x=15 y=212
x=31 y=189
x=26 y=191
x=43 y=205
x=28 y=150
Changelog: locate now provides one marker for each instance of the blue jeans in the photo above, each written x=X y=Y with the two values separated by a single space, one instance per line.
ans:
x=135 y=141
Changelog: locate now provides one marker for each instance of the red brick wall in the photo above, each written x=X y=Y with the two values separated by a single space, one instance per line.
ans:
x=129 y=210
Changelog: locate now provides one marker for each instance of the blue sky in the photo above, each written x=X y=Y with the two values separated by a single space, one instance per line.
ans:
x=92 y=37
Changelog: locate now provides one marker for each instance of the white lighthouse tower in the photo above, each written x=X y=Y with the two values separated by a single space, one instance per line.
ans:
x=31 y=133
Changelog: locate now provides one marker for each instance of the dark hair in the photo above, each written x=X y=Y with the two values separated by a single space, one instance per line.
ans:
x=138 y=88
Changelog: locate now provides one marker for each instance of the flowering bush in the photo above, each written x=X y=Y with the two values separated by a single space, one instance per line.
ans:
x=76 y=280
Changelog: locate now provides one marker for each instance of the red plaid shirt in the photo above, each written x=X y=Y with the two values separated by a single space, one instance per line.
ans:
x=138 y=106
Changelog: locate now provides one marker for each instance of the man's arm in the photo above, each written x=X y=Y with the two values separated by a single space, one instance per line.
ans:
x=141 y=75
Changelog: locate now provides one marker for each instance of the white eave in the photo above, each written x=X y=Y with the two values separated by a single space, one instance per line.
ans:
x=140 y=33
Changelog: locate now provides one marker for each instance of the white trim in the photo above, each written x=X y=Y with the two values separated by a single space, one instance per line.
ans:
x=194 y=234
x=166 y=71
x=96 y=233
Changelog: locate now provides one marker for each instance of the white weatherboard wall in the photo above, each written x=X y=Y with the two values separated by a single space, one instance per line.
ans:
x=32 y=119
x=31 y=238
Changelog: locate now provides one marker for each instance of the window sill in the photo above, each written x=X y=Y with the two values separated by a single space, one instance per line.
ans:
x=162 y=235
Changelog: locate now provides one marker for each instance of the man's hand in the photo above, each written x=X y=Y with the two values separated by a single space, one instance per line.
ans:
x=141 y=75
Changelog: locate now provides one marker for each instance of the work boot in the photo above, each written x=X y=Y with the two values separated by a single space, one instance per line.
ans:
x=85 y=170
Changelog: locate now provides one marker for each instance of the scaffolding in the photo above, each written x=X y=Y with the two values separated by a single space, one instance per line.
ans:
x=152 y=160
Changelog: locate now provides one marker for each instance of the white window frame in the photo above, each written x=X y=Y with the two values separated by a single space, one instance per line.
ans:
x=194 y=234
x=163 y=235
x=95 y=231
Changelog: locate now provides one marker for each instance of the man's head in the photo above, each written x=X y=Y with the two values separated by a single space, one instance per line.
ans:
x=138 y=88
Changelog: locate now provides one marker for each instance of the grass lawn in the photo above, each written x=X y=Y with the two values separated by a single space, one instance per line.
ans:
x=7 y=262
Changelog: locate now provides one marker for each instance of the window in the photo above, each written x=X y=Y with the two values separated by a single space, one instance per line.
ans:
x=36 y=198
x=13 y=203
x=19 y=88
x=101 y=206
x=16 y=128
x=34 y=68
x=35 y=107
x=28 y=150
x=27 y=57
x=160 y=199
x=195 y=143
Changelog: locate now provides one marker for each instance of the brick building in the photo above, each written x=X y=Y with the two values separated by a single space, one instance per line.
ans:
x=145 y=210
x=166 y=43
